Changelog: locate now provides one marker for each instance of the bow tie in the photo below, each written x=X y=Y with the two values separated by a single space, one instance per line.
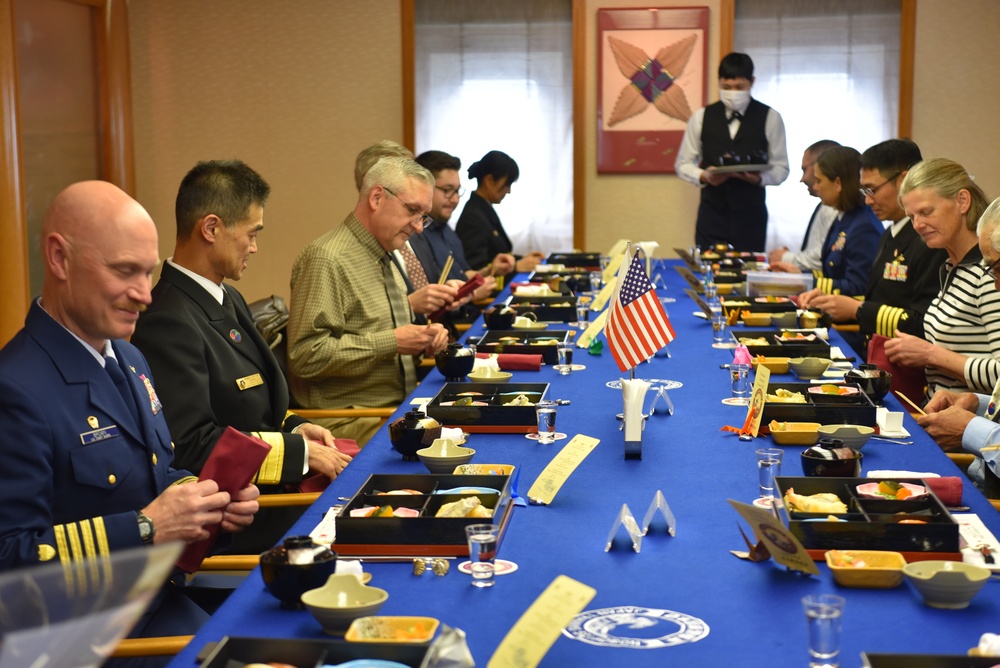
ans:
x=737 y=116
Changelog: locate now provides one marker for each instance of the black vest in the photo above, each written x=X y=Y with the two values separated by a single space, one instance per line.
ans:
x=715 y=141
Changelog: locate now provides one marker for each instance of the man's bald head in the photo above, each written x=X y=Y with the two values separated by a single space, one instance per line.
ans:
x=99 y=247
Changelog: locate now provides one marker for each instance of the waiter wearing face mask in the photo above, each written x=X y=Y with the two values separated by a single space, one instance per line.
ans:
x=736 y=130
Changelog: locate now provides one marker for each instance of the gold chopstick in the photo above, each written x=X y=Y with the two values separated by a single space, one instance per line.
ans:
x=446 y=270
x=913 y=405
x=990 y=448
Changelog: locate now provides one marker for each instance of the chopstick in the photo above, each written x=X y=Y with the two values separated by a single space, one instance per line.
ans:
x=990 y=448
x=912 y=405
x=446 y=270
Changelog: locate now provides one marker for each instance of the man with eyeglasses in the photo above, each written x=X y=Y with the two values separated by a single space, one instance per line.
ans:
x=904 y=278
x=442 y=241
x=351 y=341
x=809 y=257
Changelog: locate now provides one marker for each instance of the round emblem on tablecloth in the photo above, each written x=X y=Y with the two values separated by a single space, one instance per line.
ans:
x=632 y=627
x=654 y=383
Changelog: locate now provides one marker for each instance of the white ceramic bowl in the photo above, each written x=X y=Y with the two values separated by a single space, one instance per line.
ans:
x=809 y=367
x=443 y=456
x=946 y=584
x=342 y=600
x=853 y=435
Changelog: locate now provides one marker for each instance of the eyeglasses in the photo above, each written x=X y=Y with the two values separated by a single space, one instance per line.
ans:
x=415 y=213
x=991 y=268
x=451 y=192
x=870 y=192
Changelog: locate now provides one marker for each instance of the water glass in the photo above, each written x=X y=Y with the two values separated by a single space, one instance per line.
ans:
x=768 y=466
x=824 y=613
x=545 y=413
x=596 y=279
x=718 y=329
x=740 y=374
x=582 y=314
x=482 y=539
x=565 y=352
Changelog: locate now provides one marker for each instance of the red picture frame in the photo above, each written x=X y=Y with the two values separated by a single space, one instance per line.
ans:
x=651 y=75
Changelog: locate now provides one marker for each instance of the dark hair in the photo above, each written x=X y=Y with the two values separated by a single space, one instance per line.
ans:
x=226 y=188
x=817 y=149
x=844 y=162
x=736 y=66
x=893 y=156
x=496 y=164
x=437 y=161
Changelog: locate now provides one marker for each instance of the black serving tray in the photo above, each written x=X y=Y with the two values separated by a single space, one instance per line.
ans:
x=577 y=278
x=872 y=524
x=545 y=308
x=234 y=652
x=417 y=536
x=823 y=408
x=491 y=340
x=781 y=347
x=757 y=306
x=496 y=417
x=586 y=261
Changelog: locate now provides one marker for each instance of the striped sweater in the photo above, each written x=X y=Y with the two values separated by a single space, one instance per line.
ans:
x=965 y=318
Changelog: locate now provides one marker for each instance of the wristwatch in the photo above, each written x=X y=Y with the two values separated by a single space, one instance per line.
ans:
x=147 y=530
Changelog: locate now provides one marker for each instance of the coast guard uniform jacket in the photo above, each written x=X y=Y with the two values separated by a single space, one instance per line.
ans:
x=77 y=463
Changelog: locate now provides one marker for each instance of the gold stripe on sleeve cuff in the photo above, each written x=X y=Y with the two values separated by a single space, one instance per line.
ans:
x=185 y=480
x=270 y=470
x=887 y=319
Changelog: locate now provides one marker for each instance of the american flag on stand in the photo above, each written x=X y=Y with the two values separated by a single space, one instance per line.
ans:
x=637 y=325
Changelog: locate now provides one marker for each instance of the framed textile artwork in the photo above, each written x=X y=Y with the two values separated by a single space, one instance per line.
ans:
x=652 y=76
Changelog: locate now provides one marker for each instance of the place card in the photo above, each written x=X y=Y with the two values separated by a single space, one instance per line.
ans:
x=595 y=327
x=614 y=263
x=626 y=519
x=531 y=637
x=547 y=485
x=702 y=304
x=659 y=504
x=783 y=546
x=325 y=533
x=604 y=296
x=758 y=397
x=619 y=248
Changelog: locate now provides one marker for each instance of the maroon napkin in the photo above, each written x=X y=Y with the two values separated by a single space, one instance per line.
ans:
x=947 y=488
x=907 y=380
x=234 y=461
x=464 y=290
x=515 y=362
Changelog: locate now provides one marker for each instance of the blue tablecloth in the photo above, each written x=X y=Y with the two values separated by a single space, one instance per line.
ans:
x=752 y=610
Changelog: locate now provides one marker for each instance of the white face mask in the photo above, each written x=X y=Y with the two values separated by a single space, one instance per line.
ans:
x=735 y=100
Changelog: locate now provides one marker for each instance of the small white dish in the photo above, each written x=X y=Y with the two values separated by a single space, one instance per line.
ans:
x=869 y=490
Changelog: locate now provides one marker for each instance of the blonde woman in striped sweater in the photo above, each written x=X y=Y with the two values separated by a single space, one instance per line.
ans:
x=962 y=324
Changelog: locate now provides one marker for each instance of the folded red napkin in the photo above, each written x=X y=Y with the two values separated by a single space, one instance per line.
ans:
x=515 y=362
x=234 y=461
x=947 y=488
x=347 y=446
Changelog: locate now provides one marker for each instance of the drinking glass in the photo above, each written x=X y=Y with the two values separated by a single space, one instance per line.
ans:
x=582 y=314
x=545 y=413
x=768 y=466
x=482 y=539
x=596 y=279
x=740 y=374
x=823 y=615
x=718 y=329
x=565 y=353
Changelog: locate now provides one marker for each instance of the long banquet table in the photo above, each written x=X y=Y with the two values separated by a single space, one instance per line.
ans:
x=752 y=610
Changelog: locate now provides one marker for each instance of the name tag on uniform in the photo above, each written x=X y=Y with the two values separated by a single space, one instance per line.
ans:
x=102 y=434
x=247 y=382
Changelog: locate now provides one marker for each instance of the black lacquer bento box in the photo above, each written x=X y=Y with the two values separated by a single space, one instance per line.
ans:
x=492 y=342
x=777 y=346
x=581 y=260
x=231 y=652
x=546 y=309
x=424 y=535
x=872 y=524
x=823 y=408
x=491 y=411
x=758 y=304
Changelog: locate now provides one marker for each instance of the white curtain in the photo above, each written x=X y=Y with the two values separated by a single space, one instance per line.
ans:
x=831 y=68
x=499 y=76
